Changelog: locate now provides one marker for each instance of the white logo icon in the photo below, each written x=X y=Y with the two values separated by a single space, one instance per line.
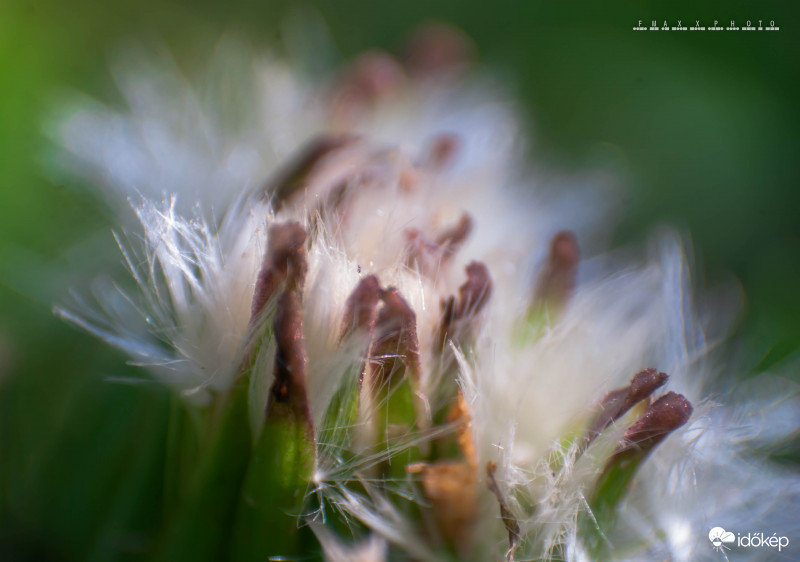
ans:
x=718 y=536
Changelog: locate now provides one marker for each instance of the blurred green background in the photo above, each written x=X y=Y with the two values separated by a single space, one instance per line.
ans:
x=705 y=126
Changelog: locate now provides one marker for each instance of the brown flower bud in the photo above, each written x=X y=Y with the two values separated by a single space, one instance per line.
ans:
x=472 y=297
x=396 y=340
x=665 y=415
x=315 y=163
x=438 y=50
x=557 y=280
x=361 y=307
x=371 y=77
x=454 y=237
x=441 y=151
x=618 y=402
x=428 y=257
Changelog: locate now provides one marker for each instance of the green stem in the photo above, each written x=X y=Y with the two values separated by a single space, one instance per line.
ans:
x=198 y=531
x=273 y=496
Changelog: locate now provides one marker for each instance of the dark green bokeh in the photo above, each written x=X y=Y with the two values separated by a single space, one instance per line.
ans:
x=703 y=127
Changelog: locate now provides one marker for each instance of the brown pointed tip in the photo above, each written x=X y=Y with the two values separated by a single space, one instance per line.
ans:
x=372 y=76
x=442 y=151
x=665 y=415
x=396 y=317
x=618 y=402
x=557 y=281
x=457 y=317
x=396 y=336
x=395 y=304
x=438 y=49
x=446 y=323
x=564 y=249
x=420 y=249
x=427 y=256
x=285 y=260
x=644 y=383
x=361 y=307
x=454 y=237
x=375 y=73
x=476 y=291
x=285 y=241
x=297 y=174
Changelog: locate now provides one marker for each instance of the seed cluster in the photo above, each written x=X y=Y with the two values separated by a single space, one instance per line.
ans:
x=393 y=410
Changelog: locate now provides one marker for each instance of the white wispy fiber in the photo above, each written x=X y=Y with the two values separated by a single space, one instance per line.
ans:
x=195 y=173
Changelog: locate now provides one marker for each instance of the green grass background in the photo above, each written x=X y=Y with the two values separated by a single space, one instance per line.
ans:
x=705 y=125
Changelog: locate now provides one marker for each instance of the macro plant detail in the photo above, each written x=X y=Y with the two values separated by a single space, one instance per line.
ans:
x=386 y=337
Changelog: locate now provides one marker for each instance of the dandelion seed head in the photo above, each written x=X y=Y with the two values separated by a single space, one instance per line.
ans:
x=491 y=294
